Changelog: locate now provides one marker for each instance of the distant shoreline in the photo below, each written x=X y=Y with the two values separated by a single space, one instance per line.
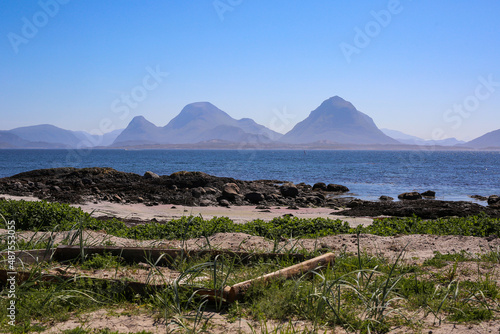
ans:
x=263 y=147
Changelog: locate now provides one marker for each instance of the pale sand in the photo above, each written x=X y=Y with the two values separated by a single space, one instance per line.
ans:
x=239 y=214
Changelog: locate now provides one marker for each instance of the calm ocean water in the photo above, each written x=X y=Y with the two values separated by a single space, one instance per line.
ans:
x=369 y=174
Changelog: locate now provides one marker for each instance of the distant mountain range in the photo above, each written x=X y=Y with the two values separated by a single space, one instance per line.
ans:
x=336 y=123
x=50 y=136
x=412 y=140
x=197 y=122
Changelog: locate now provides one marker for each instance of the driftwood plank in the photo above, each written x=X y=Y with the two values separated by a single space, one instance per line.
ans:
x=238 y=290
x=143 y=254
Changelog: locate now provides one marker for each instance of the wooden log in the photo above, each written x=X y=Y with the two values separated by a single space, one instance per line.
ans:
x=238 y=290
x=23 y=257
x=143 y=254
x=23 y=276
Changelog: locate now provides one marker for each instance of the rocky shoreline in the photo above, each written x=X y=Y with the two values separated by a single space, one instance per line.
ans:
x=72 y=185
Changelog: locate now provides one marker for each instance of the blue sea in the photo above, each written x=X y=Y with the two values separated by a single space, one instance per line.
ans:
x=368 y=174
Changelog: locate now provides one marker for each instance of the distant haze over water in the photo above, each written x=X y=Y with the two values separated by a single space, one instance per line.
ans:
x=369 y=174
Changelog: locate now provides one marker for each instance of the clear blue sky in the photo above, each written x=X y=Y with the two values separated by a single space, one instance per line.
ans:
x=273 y=61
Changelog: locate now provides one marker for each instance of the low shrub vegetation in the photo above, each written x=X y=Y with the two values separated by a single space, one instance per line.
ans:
x=44 y=216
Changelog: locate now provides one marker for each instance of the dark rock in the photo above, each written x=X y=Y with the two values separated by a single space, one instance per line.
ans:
x=494 y=201
x=150 y=175
x=224 y=202
x=289 y=190
x=429 y=194
x=56 y=188
x=426 y=209
x=198 y=192
x=272 y=197
x=337 y=188
x=262 y=207
x=211 y=191
x=86 y=181
x=385 y=198
x=479 y=197
x=304 y=187
x=314 y=200
x=355 y=203
x=78 y=184
x=206 y=202
x=319 y=186
x=254 y=197
x=410 y=196
x=140 y=199
x=230 y=191
x=320 y=195
x=293 y=207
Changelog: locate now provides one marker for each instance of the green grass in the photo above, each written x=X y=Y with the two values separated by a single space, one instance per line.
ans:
x=441 y=260
x=44 y=216
x=359 y=293
x=102 y=261
x=478 y=226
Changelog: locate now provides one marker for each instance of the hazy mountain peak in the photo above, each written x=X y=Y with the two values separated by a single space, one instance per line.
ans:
x=47 y=133
x=337 y=120
x=138 y=131
x=338 y=102
x=139 y=121
x=196 y=112
x=488 y=140
x=201 y=108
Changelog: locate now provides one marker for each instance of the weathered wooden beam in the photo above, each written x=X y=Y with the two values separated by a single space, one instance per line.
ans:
x=28 y=256
x=143 y=254
x=238 y=290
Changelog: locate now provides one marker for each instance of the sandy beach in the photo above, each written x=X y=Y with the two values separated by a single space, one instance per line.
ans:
x=238 y=214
